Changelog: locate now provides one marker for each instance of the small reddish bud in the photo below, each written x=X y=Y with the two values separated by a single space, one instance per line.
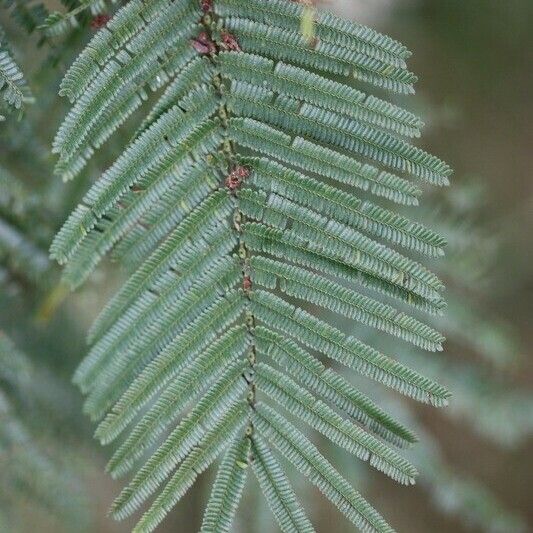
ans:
x=232 y=182
x=242 y=172
x=99 y=21
x=203 y=44
x=206 y=5
x=229 y=42
x=236 y=177
x=247 y=283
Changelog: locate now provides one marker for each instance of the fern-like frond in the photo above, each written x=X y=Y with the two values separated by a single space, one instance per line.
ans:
x=201 y=372
x=351 y=246
x=14 y=90
x=344 y=208
x=179 y=298
x=289 y=244
x=329 y=28
x=283 y=44
x=209 y=214
x=203 y=451
x=194 y=338
x=341 y=132
x=235 y=198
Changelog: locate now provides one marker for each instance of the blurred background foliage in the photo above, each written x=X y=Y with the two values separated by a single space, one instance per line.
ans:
x=474 y=61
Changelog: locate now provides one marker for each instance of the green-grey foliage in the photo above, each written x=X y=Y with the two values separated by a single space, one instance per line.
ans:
x=477 y=368
x=29 y=472
x=21 y=254
x=58 y=27
x=58 y=22
x=35 y=15
x=14 y=91
x=242 y=202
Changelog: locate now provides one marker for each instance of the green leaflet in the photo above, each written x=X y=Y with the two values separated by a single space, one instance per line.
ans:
x=129 y=22
x=212 y=211
x=305 y=406
x=338 y=240
x=200 y=69
x=307 y=459
x=197 y=427
x=202 y=455
x=329 y=28
x=194 y=376
x=152 y=150
x=81 y=134
x=311 y=287
x=129 y=72
x=187 y=331
x=349 y=351
x=277 y=490
x=218 y=402
x=309 y=87
x=158 y=182
x=227 y=490
x=202 y=271
x=13 y=88
x=336 y=130
x=233 y=199
x=289 y=245
x=173 y=319
x=331 y=386
x=321 y=160
x=344 y=207
x=290 y=46
x=172 y=208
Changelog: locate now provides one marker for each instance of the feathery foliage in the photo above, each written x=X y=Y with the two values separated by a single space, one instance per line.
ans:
x=29 y=471
x=482 y=400
x=22 y=255
x=242 y=198
x=58 y=22
x=14 y=91
x=35 y=16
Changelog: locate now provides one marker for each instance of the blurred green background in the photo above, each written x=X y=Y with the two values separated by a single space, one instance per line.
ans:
x=474 y=59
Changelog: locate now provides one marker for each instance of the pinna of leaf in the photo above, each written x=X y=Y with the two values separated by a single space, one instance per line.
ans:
x=235 y=204
x=14 y=91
